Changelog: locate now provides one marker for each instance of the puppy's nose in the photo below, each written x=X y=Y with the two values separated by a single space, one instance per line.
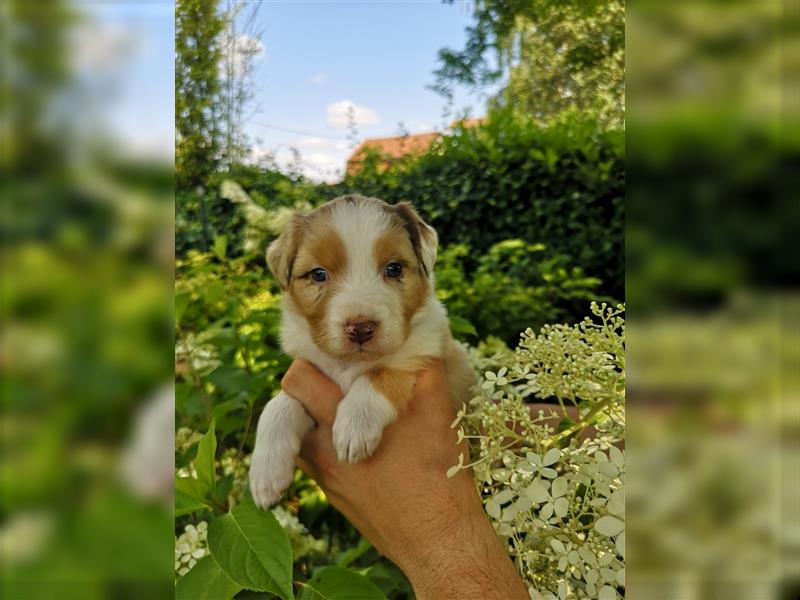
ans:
x=360 y=332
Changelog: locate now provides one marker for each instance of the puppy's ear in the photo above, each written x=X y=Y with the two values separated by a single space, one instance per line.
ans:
x=423 y=236
x=281 y=252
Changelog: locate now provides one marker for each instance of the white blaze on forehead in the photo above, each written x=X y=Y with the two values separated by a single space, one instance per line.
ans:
x=362 y=293
x=360 y=224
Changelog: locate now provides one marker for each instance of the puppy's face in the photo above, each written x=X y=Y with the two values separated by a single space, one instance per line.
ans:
x=357 y=269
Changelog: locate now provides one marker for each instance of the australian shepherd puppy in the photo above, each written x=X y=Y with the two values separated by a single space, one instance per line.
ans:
x=359 y=303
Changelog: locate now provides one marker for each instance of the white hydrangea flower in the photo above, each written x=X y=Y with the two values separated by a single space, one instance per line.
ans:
x=190 y=546
x=303 y=543
x=557 y=502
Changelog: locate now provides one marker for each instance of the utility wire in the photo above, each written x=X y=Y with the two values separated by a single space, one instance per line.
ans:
x=296 y=131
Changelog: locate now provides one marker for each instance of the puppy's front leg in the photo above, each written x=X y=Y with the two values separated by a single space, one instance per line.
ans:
x=281 y=428
x=371 y=403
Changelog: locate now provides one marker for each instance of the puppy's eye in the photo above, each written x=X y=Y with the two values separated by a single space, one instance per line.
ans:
x=393 y=270
x=319 y=275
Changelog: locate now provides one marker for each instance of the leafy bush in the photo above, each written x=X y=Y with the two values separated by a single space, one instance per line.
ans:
x=562 y=185
x=556 y=498
x=267 y=189
x=515 y=285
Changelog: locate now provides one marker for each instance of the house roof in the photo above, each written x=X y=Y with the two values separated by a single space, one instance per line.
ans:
x=396 y=146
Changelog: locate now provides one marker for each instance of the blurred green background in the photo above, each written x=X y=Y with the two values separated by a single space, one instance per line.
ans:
x=87 y=342
x=711 y=279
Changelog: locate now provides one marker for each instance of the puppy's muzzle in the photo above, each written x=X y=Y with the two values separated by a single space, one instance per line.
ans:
x=360 y=332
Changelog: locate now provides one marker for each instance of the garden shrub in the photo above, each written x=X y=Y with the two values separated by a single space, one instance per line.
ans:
x=515 y=285
x=268 y=189
x=562 y=185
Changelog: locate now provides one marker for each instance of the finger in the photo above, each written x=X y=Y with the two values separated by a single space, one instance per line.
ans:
x=309 y=386
x=312 y=444
x=317 y=454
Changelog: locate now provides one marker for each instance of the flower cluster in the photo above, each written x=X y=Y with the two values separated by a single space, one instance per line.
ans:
x=191 y=546
x=238 y=469
x=303 y=543
x=186 y=437
x=554 y=496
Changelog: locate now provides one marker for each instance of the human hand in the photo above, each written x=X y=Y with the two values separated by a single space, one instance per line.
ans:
x=401 y=500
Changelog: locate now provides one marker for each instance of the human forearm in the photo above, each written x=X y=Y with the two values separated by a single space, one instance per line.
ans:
x=465 y=560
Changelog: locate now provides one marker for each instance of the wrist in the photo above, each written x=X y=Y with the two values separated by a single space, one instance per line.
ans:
x=461 y=557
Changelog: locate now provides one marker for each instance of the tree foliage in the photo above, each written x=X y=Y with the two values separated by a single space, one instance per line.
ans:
x=198 y=27
x=545 y=56
x=241 y=47
x=36 y=71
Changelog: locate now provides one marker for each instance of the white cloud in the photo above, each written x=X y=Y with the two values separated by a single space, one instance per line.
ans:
x=314 y=142
x=318 y=159
x=338 y=114
x=105 y=47
x=317 y=79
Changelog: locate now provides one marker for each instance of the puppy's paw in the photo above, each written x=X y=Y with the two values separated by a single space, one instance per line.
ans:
x=355 y=436
x=360 y=420
x=270 y=475
x=282 y=425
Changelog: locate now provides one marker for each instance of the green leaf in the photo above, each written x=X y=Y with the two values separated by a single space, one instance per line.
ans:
x=189 y=496
x=204 y=463
x=182 y=300
x=389 y=579
x=205 y=581
x=336 y=583
x=230 y=379
x=460 y=325
x=354 y=553
x=220 y=246
x=252 y=549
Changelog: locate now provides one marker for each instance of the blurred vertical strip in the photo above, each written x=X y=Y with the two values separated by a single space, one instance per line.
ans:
x=86 y=248
x=713 y=266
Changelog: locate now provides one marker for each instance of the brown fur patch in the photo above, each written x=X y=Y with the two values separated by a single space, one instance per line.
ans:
x=321 y=247
x=417 y=230
x=413 y=285
x=281 y=252
x=396 y=386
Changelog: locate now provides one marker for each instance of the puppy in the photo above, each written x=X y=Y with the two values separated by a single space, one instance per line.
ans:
x=359 y=303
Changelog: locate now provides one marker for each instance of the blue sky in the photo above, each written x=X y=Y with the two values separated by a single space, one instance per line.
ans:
x=377 y=56
x=318 y=58
x=127 y=50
